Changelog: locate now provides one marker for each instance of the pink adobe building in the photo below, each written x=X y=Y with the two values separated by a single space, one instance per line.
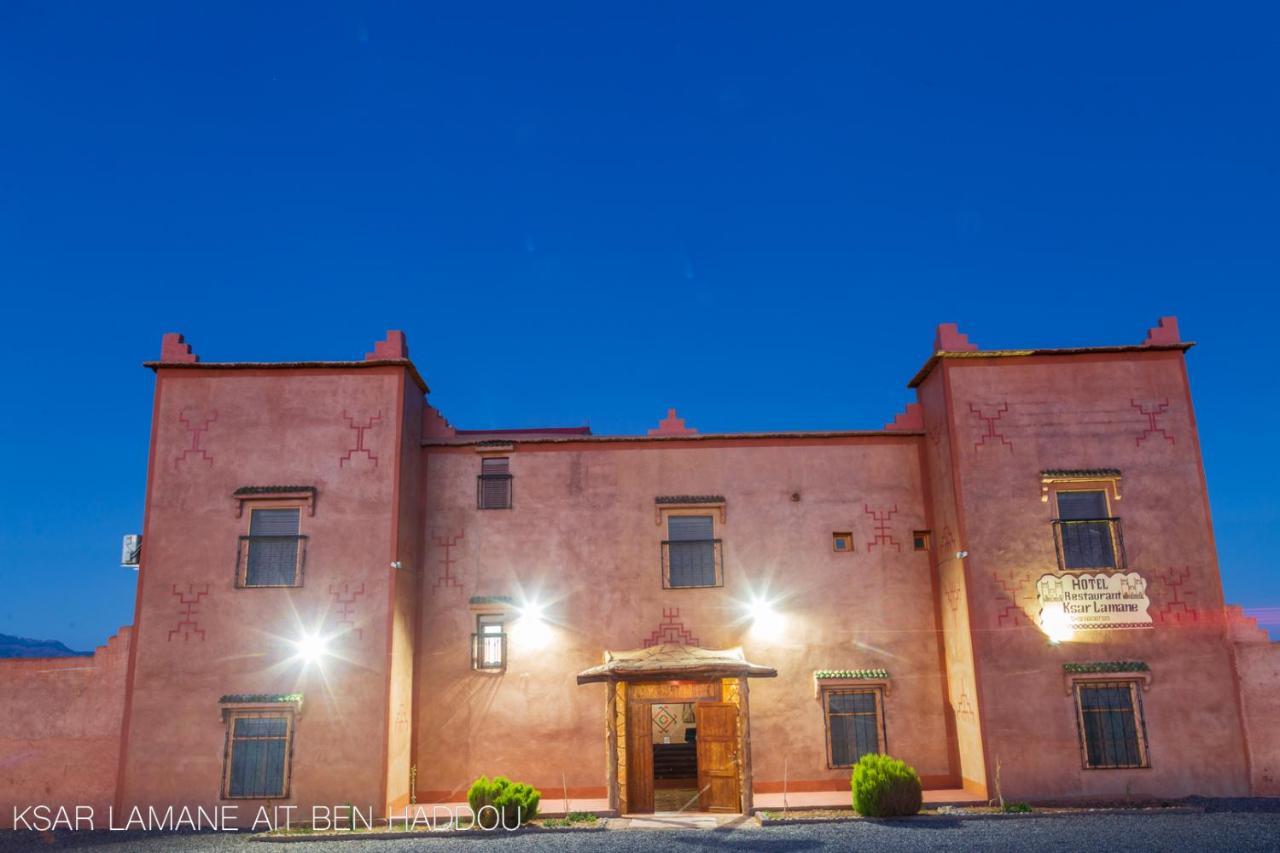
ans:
x=342 y=598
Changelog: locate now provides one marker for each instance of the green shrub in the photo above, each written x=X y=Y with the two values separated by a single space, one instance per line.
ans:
x=1017 y=808
x=885 y=787
x=515 y=802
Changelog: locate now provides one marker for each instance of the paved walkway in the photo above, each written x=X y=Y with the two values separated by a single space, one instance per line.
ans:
x=844 y=799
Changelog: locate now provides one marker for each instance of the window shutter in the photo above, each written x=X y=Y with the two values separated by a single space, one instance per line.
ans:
x=274 y=522
x=691 y=551
x=273 y=548
x=258 y=755
x=689 y=528
x=1074 y=506
x=495 y=483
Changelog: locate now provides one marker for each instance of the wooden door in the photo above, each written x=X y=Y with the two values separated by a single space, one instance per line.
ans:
x=717 y=757
x=639 y=758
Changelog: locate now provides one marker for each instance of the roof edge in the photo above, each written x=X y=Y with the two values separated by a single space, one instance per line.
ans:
x=663 y=439
x=924 y=371
x=157 y=366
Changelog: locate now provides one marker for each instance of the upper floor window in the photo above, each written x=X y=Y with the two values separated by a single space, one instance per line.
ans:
x=258 y=753
x=274 y=551
x=1112 y=731
x=691 y=553
x=855 y=724
x=1086 y=534
x=493 y=486
x=489 y=642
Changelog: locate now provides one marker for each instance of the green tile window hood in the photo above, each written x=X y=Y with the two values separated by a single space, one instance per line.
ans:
x=1107 y=666
x=862 y=674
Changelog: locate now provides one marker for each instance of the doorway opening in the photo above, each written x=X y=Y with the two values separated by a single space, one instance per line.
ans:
x=675 y=757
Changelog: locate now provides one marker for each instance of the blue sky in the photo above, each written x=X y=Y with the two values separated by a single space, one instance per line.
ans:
x=754 y=212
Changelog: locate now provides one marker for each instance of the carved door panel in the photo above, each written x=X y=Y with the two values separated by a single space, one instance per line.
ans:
x=639 y=758
x=717 y=757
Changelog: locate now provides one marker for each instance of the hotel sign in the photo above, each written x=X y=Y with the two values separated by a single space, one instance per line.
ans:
x=1099 y=602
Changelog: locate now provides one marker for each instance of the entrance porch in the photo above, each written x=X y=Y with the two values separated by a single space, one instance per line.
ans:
x=712 y=684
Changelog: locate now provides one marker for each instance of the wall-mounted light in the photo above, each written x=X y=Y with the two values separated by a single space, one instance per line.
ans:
x=311 y=648
x=530 y=630
x=1056 y=624
x=766 y=622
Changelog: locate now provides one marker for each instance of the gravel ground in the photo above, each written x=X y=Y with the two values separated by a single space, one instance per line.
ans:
x=1248 y=828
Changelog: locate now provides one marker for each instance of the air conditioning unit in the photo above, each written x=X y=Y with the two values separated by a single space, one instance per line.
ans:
x=130 y=548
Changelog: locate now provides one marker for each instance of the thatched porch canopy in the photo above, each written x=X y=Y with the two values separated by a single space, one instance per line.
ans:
x=659 y=663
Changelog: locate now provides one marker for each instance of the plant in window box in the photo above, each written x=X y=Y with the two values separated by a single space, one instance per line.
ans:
x=885 y=787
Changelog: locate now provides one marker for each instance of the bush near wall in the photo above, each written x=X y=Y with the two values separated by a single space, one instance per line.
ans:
x=885 y=787
x=514 y=802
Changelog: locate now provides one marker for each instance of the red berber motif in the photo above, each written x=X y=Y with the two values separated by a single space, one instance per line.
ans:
x=989 y=432
x=446 y=578
x=880 y=518
x=1152 y=413
x=187 y=626
x=344 y=599
x=670 y=630
x=197 y=426
x=360 y=427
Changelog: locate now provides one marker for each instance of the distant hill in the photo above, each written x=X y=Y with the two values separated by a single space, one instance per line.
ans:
x=21 y=647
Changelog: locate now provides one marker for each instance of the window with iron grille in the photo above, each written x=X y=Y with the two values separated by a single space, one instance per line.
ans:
x=273 y=552
x=489 y=642
x=1086 y=535
x=691 y=553
x=1112 y=731
x=493 y=486
x=855 y=724
x=259 y=749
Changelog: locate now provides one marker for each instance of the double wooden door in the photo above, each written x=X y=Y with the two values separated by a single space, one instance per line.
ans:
x=718 y=747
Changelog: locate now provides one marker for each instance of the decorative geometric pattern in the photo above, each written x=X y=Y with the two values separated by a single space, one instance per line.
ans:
x=197 y=426
x=446 y=578
x=1152 y=413
x=963 y=706
x=1010 y=599
x=187 y=626
x=402 y=717
x=360 y=429
x=988 y=422
x=344 y=605
x=948 y=541
x=663 y=718
x=953 y=597
x=670 y=630
x=1176 y=608
x=881 y=521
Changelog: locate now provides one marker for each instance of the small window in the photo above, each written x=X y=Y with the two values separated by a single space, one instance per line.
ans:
x=1087 y=536
x=493 y=487
x=855 y=724
x=489 y=642
x=842 y=542
x=273 y=552
x=691 y=553
x=920 y=540
x=1112 y=731
x=259 y=750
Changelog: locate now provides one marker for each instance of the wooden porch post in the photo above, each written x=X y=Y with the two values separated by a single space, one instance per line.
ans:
x=611 y=738
x=744 y=723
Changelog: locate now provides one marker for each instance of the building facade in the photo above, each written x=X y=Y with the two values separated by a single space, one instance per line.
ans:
x=342 y=598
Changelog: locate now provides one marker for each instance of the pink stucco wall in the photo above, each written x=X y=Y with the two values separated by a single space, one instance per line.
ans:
x=583 y=537
x=1012 y=418
x=397 y=549
x=335 y=430
x=60 y=742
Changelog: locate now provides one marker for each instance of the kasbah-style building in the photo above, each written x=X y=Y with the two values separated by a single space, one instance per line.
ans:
x=342 y=598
